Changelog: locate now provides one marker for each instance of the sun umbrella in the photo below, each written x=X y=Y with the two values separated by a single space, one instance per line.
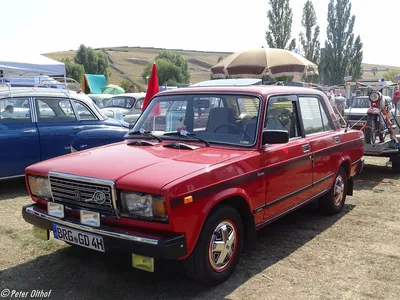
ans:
x=258 y=63
x=112 y=89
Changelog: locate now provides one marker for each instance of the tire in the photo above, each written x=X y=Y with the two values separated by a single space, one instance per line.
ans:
x=333 y=202
x=396 y=167
x=371 y=129
x=201 y=265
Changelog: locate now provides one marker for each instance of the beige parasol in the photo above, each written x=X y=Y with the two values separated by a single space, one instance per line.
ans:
x=258 y=63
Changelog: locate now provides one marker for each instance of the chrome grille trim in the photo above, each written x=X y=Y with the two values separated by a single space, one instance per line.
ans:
x=64 y=186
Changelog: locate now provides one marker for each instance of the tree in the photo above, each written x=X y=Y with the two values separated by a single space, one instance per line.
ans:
x=220 y=58
x=340 y=48
x=310 y=40
x=73 y=69
x=389 y=76
x=279 y=31
x=125 y=84
x=172 y=69
x=94 y=61
x=357 y=55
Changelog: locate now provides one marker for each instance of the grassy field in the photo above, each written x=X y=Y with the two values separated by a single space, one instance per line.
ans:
x=129 y=62
x=353 y=255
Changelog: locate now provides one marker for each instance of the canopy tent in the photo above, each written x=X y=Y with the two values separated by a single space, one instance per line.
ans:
x=12 y=65
x=93 y=83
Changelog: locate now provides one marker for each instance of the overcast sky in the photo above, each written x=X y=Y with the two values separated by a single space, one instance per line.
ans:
x=219 y=25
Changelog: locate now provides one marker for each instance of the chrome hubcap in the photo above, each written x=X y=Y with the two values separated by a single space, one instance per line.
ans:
x=222 y=246
x=338 y=191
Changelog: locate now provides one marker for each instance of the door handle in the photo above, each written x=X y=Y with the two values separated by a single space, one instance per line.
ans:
x=336 y=139
x=30 y=131
x=78 y=127
x=306 y=148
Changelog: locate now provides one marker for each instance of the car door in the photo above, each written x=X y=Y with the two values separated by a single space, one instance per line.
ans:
x=288 y=167
x=19 y=139
x=323 y=138
x=57 y=124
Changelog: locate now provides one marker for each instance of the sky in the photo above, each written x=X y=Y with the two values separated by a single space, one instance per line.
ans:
x=44 y=26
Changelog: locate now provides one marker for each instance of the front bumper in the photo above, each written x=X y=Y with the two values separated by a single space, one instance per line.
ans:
x=159 y=247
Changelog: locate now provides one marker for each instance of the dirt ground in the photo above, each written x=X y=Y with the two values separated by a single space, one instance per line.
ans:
x=354 y=255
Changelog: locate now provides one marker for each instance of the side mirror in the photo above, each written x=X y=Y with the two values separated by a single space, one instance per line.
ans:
x=275 y=137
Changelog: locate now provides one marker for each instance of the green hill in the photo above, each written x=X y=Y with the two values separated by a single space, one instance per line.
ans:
x=129 y=62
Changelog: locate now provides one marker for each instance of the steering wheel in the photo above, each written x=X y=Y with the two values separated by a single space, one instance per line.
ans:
x=235 y=127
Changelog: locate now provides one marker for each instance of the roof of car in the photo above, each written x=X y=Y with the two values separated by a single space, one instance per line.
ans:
x=44 y=92
x=136 y=95
x=263 y=90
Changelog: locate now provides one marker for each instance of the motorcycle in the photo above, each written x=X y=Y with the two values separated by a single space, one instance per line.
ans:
x=378 y=120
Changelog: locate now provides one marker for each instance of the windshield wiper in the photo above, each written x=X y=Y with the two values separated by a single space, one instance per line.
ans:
x=145 y=133
x=192 y=135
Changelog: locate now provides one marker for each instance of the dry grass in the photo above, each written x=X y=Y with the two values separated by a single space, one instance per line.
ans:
x=130 y=62
x=354 y=255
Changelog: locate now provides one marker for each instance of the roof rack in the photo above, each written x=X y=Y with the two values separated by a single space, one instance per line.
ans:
x=62 y=84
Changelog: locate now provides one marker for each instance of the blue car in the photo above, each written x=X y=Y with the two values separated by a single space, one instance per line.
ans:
x=38 y=124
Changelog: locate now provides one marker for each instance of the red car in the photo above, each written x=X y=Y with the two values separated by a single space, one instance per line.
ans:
x=198 y=191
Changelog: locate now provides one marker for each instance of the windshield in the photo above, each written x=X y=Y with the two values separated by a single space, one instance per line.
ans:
x=360 y=103
x=230 y=119
x=122 y=102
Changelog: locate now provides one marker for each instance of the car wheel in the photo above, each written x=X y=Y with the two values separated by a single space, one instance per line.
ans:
x=396 y=167
x=333 y=202
x=218 y=248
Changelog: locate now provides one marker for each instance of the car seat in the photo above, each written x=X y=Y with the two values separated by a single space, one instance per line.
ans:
x=219 y=116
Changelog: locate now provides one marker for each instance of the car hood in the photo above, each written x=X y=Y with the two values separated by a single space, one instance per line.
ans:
x=110 y=111
x=356 y=111
x=139 y=167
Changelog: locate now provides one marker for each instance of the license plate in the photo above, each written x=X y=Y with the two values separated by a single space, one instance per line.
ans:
x=144 y=263
x=40 y=233
x=80 y=238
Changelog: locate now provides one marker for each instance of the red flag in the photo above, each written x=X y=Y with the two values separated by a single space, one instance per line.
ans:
x=152 y=89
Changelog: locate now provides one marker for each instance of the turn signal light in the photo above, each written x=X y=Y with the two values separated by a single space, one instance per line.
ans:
x=188 y=199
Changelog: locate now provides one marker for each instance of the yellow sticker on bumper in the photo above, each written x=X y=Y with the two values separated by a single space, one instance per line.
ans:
x=144 y=263
x=40 y=233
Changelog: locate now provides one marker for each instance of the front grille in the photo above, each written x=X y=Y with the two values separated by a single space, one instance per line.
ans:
x=82 y=193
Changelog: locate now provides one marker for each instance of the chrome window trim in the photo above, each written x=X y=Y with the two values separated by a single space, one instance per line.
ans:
x=85 y=228
x=110 y=183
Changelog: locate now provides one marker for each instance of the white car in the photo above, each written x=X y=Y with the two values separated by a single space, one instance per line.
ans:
x=127 y=107
x=356 y=115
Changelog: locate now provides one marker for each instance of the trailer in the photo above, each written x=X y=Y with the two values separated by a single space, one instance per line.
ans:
x=389 y=149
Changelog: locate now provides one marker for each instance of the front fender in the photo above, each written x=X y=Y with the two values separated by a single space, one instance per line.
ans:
x=190 y=218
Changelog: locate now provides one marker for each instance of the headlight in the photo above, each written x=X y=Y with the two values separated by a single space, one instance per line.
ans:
x=144 y=205
x=39 y=186
x=374 y=96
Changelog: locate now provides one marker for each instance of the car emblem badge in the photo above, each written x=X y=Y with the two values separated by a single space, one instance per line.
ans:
x=99 y=197
x=78 y=195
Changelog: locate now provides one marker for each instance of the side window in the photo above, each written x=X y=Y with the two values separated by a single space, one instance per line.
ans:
x=15 y=110
x=54 y=110
x=282 y=115
x=314 y=116
x=84 y=112
x=139 y=104
x=66 y=107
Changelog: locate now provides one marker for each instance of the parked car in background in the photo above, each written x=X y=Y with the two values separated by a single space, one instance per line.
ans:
x=356 y=114
x=198 y=190
x=38 y=124
x=100 y=99
x=128 y=105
